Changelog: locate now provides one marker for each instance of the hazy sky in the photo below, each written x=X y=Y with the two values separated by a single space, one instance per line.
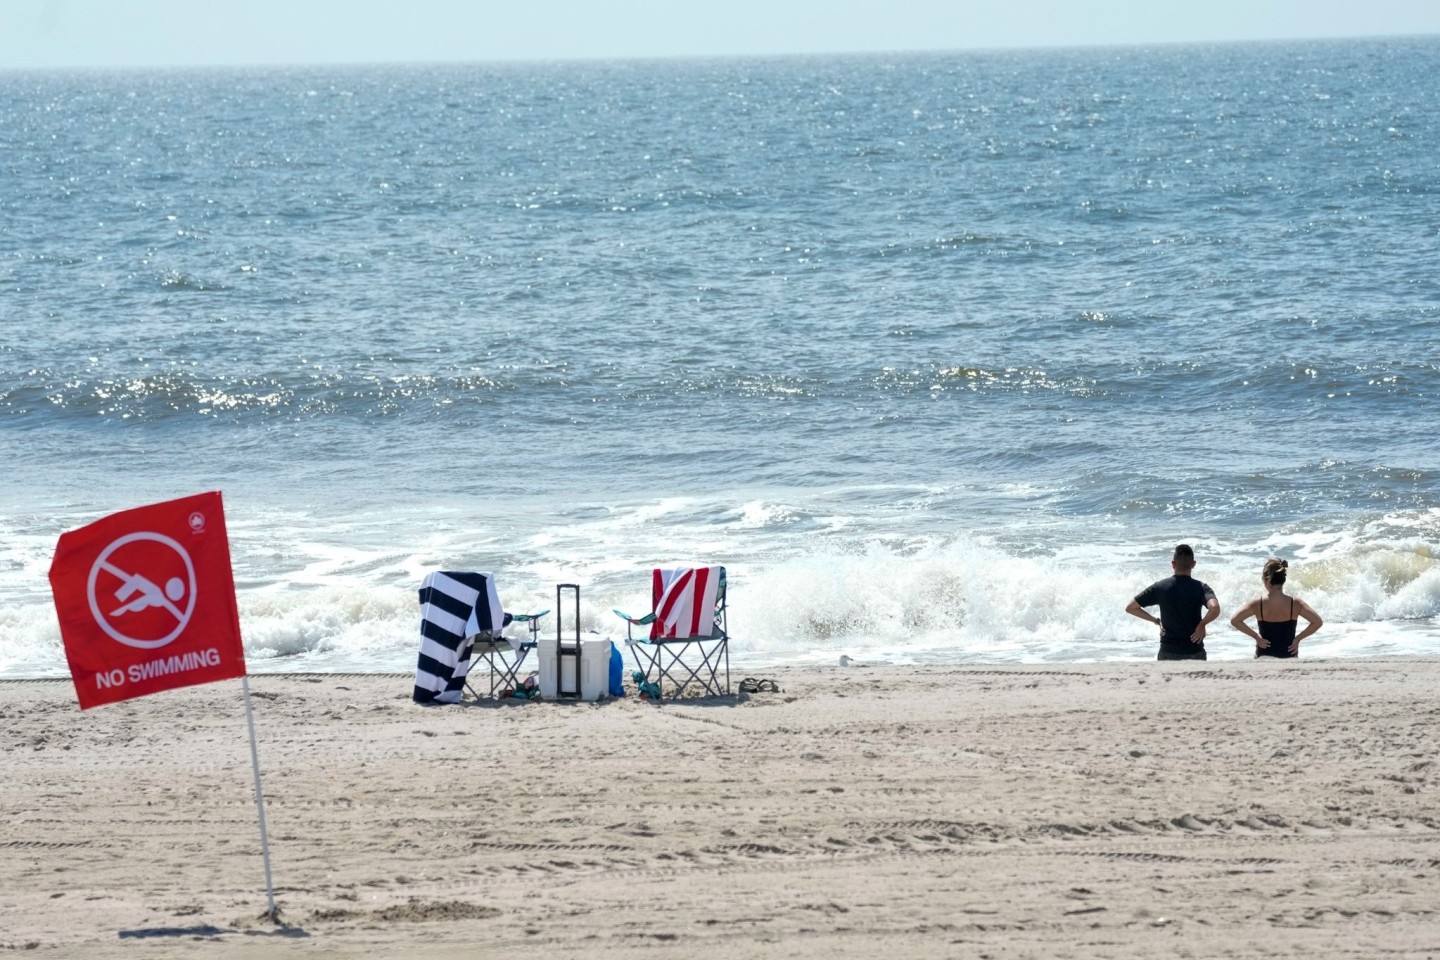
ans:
x=61 y=33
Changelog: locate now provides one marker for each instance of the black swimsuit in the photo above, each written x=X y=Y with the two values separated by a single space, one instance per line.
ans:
x=1279 y=633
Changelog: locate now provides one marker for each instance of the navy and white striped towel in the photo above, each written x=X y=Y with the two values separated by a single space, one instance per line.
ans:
x=454 y=608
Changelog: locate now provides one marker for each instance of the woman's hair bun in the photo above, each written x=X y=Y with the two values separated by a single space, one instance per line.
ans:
x=1274 y=572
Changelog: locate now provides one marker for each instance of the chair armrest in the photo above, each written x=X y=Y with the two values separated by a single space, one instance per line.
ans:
x=638 y=621
x=532 y=623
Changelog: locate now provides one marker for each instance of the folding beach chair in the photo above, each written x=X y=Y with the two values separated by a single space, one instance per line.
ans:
x=688 y=641
x=505 y=655
x=461 y=622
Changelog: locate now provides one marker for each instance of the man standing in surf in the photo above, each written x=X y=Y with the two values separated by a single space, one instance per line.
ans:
x=1186 y=606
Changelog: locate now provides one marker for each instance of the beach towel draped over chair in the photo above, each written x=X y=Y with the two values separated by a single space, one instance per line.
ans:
x=461 y=622
x=685 y=602
x=454 y=607
x=688 y=641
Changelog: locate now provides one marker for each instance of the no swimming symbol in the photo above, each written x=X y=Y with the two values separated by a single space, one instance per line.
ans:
x=125 y=595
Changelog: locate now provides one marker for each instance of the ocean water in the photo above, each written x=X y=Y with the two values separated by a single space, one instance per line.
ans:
x=939 y=354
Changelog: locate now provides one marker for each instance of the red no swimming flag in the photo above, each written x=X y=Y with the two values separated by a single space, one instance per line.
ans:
x=146 y=601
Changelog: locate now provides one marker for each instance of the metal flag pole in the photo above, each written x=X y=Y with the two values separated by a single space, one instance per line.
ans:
x=260 y=801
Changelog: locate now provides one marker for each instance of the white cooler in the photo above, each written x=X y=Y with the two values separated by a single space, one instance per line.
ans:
x=594 y=669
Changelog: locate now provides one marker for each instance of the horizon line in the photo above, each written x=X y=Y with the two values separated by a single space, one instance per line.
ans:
x=671 y=58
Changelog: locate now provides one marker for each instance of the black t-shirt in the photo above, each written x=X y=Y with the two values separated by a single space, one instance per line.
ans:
x=1182 y=601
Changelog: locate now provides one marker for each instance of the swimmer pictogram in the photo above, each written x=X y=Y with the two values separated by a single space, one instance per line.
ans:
x=142 y=614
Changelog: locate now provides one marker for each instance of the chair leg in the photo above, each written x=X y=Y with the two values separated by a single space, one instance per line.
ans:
x=504 y=670
x=513 y=663
x=646 y=661
x=704 y=672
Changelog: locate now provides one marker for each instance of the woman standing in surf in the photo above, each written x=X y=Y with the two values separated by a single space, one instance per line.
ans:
x=1276 y=615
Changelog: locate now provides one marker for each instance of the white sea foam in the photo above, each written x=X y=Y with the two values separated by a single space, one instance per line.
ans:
x=311 y=599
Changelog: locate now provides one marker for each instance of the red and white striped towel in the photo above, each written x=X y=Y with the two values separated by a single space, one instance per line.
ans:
x=684 y=602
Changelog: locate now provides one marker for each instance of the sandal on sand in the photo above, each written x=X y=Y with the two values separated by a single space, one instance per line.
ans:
x=751 y=685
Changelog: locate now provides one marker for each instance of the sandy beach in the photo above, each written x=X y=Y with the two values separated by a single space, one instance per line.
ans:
x=1134 y=810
